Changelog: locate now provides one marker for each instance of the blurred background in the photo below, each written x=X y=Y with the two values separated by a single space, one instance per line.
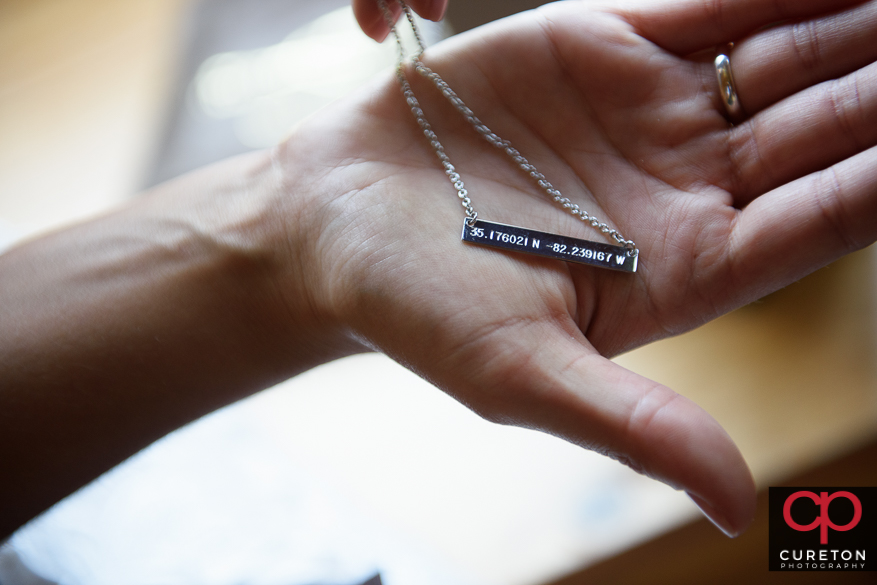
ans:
x=358 y=471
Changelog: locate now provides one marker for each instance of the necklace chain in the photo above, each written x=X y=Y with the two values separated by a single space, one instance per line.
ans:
x=479 y=127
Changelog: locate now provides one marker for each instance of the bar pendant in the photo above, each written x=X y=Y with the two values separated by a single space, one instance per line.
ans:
x=518 y=239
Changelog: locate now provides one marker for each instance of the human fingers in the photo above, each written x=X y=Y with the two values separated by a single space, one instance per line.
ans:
x=690 y=26
x=371 y=18
x=781 y=61
x=805 y=133
x=803 y=225
x=544 y=376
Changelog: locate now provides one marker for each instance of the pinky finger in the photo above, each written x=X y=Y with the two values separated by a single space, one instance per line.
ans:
x=806 y=224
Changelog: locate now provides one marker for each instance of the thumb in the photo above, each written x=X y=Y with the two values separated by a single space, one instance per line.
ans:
x=371 y=19
x=567 y=389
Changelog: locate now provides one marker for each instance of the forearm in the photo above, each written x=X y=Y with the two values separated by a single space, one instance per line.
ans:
x=120 y=330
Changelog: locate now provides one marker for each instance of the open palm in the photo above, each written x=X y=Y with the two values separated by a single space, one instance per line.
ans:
x=617 y=105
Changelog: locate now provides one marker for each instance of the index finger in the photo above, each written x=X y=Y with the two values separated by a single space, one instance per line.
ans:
x=688 y=26
x=371 y=19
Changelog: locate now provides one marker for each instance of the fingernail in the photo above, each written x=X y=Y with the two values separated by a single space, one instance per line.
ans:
x=713 y=515
x=383 y=28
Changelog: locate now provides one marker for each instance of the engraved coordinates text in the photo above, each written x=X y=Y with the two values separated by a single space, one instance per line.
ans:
x=549 y=245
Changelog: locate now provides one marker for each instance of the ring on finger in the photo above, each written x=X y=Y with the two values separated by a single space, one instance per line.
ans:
x=727 y=88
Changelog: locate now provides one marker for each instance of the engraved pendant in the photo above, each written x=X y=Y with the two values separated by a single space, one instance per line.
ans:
x=518 y=239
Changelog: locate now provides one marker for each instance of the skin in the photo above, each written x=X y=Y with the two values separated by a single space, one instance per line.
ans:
x=345 y=239
x=372 y=21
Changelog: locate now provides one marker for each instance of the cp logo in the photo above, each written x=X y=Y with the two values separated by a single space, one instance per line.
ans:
x=822 y=521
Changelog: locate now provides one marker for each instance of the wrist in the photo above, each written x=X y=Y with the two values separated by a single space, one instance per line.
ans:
x=262 y=219
x=331 y=209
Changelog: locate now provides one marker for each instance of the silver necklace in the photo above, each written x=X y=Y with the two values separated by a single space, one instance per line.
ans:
x=496 y=235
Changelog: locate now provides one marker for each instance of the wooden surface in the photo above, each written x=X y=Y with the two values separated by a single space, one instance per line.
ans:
x=697 y=553
x=792 y=377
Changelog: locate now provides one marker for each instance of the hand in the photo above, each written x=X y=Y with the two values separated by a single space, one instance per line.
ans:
x=617 y=104
x=372 y=20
